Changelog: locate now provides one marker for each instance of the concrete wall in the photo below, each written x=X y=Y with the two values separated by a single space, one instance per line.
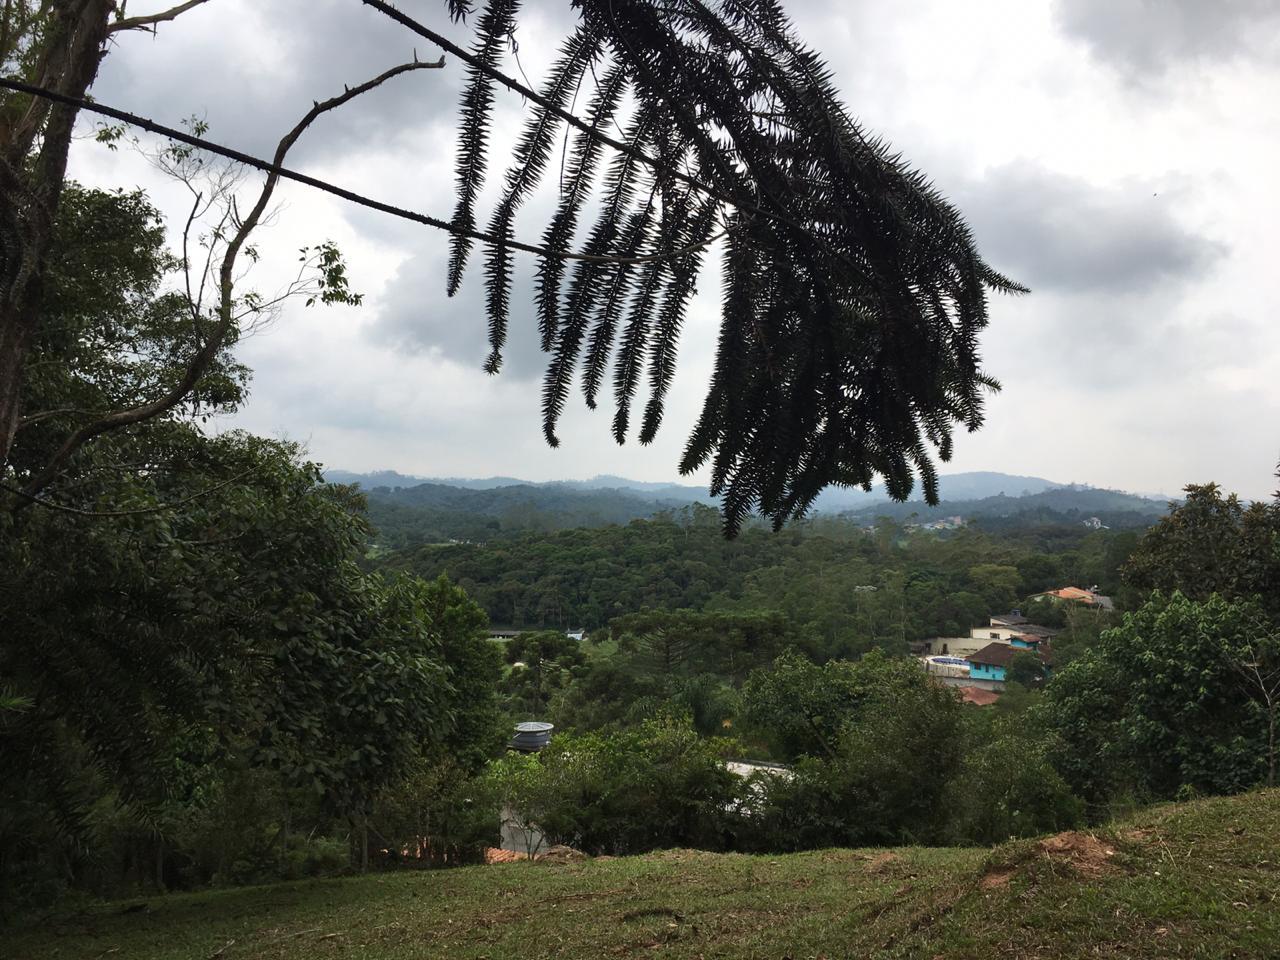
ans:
x=995 y=685
x=956 y=646
x=518 y=838
x=989 y=634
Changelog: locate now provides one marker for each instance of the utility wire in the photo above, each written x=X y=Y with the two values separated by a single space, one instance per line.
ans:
x=351 y=196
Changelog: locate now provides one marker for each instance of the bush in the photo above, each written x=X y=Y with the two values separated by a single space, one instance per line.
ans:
x=1007 y=788
x=885 y=783
x=1159 y=703
x=437 y=816
x=655 y=786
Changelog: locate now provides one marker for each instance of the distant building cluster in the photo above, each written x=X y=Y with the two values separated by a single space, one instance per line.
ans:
x=1076 y=595
x=946 y=523
x=979 y=663
x=505 y=634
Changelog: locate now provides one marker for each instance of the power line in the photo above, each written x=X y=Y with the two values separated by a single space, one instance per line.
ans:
x=351 y=196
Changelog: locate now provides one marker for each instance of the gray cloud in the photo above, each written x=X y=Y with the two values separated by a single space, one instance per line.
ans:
x=1054 y=232
x=415 y=316
x=1128 y=365
x=1145 y=39
x=252 y=70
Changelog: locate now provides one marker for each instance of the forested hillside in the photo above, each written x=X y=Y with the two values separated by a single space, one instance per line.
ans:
x=433 y=512
x=1061 y=505
x=835 y=580
x=407 y=512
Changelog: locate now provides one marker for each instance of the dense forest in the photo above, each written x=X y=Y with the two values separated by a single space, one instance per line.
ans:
x=407 y=512
x=854 y=588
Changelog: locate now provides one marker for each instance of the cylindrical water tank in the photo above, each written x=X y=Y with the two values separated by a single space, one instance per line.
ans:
x=531 y=736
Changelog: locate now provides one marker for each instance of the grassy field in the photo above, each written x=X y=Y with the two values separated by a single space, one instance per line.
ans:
x=1193 y=880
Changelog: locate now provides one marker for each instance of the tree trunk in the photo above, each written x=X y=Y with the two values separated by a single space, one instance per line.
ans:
x=13 y=349
x=30 y=191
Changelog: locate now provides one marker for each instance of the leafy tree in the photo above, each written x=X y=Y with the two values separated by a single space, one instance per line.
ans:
x=438 y=814
x=1006 y=788
x=654 y=786
x=542 y=664
x=1211 y=544
x=215 y=627
x=688 y=641
x=897 y=744
x=606 y=696
x=1026 y=669
x=473 y=666
x=800 y=707
x=997 y=583
x=803 y=709
x=1254 y=657
x=1157 y=704
x=59 y=46
x=1045 y=612
x=709 y=702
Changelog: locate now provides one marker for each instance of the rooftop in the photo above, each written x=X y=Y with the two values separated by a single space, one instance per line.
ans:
x=997 y=654
x=977 y=696
x=1013 y=618
x=1072 y=593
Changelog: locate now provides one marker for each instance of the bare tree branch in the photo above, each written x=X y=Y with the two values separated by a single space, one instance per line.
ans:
x=150 y=20
x=208 y=352
x=103 y=514
x=46 y=414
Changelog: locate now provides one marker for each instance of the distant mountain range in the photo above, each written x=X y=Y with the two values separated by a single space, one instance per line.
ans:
x=407 y=508
x=976 y=485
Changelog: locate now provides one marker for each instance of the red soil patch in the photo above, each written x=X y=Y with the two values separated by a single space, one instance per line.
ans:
x=1083 y=851
x=494 y=855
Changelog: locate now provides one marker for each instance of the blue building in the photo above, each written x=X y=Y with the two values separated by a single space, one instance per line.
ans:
x=992 y=661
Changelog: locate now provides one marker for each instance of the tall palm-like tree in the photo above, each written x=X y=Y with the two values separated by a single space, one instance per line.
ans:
x=853 y=295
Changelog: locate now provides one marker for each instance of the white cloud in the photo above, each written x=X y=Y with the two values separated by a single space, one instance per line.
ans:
x=1145 y=357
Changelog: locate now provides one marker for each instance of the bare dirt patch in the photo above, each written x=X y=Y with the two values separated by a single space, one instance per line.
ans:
x=995 y=879
x=1083 y=851
x=560 y=854
x=881 y=862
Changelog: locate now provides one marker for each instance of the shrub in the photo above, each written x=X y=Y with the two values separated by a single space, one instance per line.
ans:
x=1007 y=788
x=655 y=786
x=436 y=816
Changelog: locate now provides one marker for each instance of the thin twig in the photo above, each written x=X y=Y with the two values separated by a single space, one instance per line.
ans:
x=49 y=504
x=205 y=356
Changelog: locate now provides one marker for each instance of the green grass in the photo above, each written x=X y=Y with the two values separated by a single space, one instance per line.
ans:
x=1192 y=880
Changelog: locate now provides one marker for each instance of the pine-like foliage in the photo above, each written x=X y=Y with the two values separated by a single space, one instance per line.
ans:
x=853 y=295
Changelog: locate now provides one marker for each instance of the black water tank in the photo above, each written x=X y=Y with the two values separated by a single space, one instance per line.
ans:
x=531 y=736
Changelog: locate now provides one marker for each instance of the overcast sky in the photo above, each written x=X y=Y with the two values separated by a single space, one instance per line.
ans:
x=1117 y=156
